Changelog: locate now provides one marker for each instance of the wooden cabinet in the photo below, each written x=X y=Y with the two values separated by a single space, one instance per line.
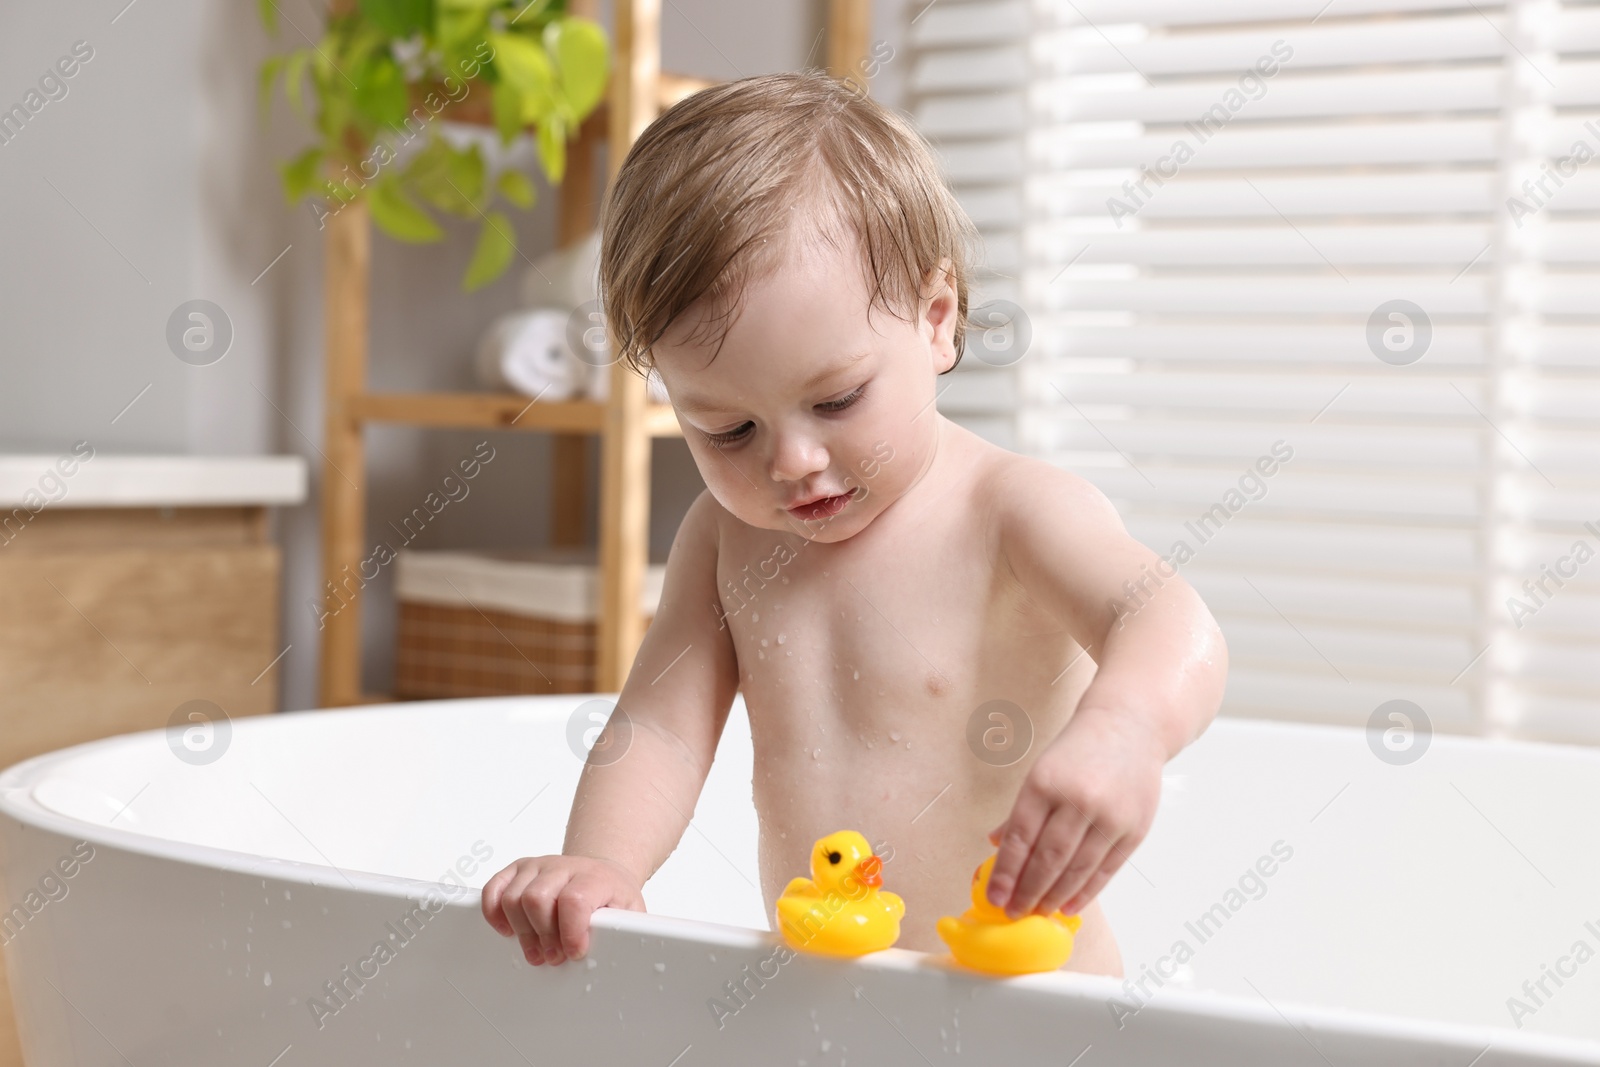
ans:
x=112 y=618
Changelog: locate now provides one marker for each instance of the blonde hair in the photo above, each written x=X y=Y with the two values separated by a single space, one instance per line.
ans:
x=713 y=192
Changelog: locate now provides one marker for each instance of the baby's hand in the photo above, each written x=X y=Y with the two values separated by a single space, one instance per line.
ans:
x=1087 y=802
x=546 y=901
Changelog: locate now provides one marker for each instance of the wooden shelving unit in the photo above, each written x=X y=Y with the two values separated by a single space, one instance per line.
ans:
x=624 y=424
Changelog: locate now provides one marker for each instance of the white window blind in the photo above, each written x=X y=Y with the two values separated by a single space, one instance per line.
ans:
x=1366 y=229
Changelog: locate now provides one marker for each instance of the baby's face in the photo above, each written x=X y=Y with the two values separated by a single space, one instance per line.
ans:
x=812 y=419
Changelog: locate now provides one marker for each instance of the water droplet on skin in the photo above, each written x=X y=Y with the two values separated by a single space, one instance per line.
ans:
x=824 y=574
x=266 y=979
x=786 y=581
x=764 y=642
x=816 y=753
x=894 y=735
x=908 y=744
x=755 y=616
x=660 y=967
x=788 y=652
x=855 y=676
x=782 y=638
x=762 y=655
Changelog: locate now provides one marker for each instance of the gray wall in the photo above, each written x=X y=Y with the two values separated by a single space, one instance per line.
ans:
x=151 y=182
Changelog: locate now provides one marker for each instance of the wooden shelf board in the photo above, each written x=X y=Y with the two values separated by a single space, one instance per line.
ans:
x=500 y=411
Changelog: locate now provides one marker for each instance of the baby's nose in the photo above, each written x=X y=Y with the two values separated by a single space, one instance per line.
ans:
x=796 y=457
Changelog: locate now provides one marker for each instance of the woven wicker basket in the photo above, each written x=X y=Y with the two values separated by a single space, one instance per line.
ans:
x=497 y=624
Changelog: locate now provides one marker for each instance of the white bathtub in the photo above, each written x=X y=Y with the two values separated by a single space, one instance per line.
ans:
x=217 y=900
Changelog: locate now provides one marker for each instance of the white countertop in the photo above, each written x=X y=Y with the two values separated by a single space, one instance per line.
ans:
x=126 y=481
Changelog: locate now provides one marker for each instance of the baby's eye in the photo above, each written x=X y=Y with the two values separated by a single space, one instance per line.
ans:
x=844 y=401
x=728 y=437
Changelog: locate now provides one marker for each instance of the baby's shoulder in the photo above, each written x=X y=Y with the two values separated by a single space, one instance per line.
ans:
x=1036 y=509
x=1014 y=487
x=700 y=532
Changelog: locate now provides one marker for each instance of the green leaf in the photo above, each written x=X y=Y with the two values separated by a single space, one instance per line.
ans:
x=380 y=93
x=269 y=15
x=470 y=5
x=583 y=59
x=267 y=78
x=523 y=63
x=531 y=14
x=366 y=42
x=300 y=174
x=322 y=64
x=507 y=100
x=399 y=18
x=334 y=115
x=293 y=80
x=497 y=243
x=456 y=30
x=399 y=216
x=448 y=179
x=516 y=187
x=552 y=140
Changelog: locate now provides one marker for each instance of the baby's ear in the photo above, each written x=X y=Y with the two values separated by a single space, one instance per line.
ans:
x=942 y=312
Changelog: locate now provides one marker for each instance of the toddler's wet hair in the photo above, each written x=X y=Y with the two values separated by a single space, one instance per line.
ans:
x=713 y=191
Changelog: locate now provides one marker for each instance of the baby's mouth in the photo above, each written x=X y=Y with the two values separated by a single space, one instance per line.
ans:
x=821 y=507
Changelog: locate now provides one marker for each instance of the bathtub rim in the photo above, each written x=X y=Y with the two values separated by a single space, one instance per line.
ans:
x=18 y=804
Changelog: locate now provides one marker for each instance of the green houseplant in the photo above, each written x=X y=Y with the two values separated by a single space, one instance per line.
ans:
x=382 y=73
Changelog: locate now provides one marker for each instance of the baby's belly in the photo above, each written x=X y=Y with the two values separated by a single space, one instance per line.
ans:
x=917 y=791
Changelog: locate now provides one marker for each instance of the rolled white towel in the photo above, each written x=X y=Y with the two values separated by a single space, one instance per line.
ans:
x=567 y=277
x=526 y=351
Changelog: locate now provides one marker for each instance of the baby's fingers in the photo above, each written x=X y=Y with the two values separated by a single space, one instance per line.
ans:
x=494 y=891
x=1016 y=837
x=1057 y=851
x=531 y=950
x=574 y=910
x=527 y=904
x=1084 y=865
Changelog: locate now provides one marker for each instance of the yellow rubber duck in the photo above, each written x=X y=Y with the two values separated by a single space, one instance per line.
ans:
x=985 y=939
x=841 y=910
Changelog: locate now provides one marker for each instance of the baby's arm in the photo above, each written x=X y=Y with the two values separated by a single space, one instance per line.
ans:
x=631 y=809
x=1091 y=795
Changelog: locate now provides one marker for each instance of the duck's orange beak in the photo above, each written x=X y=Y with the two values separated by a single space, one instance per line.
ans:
x=870 y=871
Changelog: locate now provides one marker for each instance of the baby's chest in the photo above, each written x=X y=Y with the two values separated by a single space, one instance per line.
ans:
x=849 y=630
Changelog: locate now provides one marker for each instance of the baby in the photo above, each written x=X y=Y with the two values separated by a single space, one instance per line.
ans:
x=944 y=645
